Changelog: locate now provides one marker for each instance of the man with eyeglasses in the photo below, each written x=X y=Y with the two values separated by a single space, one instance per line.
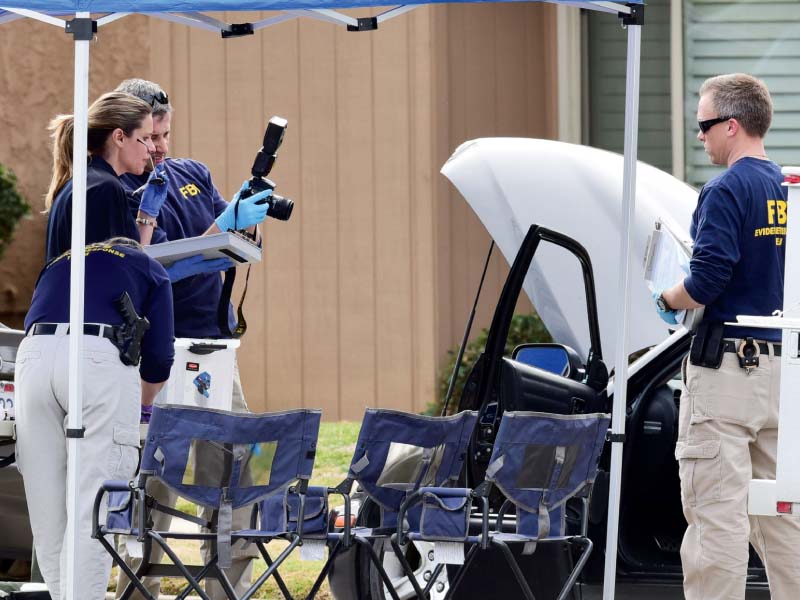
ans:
x=192 y=207
x=728 y=423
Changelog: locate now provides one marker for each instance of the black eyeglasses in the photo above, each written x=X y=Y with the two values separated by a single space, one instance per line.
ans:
x=160 y=97
x=709 y=123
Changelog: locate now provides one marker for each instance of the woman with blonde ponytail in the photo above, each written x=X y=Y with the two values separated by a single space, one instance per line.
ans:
x=119 y=131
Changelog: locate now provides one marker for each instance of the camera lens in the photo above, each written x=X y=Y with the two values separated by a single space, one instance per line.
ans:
x=280 y=208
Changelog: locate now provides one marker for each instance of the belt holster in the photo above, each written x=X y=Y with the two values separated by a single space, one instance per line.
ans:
x=707 y=345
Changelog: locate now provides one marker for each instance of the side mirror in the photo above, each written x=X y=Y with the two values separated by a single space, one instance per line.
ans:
x=554 y=358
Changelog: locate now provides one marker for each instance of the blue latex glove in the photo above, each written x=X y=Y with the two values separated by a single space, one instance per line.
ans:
x=668 y=316
x=147 y=412
x=194 y=265
x=250 y=213
x=155 y=193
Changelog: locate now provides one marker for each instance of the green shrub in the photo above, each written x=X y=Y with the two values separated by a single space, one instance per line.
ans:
x=524 y=329
x=12 y=207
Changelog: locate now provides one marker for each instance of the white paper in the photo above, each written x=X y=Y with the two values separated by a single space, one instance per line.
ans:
x=133 y=546
x=312 y=550
x=449 y=553
x=666 y=262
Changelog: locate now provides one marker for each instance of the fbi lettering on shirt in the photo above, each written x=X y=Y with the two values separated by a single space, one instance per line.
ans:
x=776 y=219
x=189 y=190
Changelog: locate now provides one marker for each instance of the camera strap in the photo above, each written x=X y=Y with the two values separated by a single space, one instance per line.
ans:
x=227 y=291
x=224 y=302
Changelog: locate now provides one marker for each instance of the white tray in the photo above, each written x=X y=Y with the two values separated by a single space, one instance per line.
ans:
x=765 y=322
x=217 y=245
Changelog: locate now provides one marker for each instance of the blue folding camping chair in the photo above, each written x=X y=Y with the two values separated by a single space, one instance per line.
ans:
x=539 y=461
x=264 y=460
x=395 y=454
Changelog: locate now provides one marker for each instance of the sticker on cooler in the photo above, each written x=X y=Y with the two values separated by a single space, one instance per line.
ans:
x=202 y=374
x=6 y=401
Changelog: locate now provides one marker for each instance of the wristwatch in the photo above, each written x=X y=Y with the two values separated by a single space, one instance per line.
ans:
x=662 y=305
x=143 y=221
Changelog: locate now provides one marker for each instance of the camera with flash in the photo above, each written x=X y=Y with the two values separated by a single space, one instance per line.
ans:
x=279 y=207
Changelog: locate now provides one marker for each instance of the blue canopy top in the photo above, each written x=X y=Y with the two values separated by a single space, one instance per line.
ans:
x=63 y=7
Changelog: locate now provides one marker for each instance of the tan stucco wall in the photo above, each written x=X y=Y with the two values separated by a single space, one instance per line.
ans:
x=362 y=292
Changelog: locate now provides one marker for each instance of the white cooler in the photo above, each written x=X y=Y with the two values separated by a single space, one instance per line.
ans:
x=202 y=374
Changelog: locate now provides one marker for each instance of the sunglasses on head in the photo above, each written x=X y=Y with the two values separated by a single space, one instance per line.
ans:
x=709 y=123
x=160 y=97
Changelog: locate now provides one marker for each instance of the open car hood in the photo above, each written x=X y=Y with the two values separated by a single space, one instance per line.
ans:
x=512 y=183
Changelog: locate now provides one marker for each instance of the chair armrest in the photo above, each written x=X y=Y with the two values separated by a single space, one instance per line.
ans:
x=501 y=515
x=110 y=485
x=344 y=489
x=417 y=496
x=447 y=492
x=116 y=485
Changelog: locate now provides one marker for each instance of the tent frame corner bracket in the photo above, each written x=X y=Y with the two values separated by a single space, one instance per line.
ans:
x=83 y=28
x=634 y=17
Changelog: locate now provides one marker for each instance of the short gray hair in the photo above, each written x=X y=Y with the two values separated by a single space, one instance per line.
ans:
x=149 y=92
x=122 y=241
x=742 y=97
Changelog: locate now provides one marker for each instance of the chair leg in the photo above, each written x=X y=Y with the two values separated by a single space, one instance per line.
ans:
x=224 y=582
x=276 y=575
x=133 y=579
x=324 y=572
x=434 y=576
x=421 y=594
x=199 y=578
x=576 y=571
x=180 y=566
x=526 y=590
x=271 y=569
x=471 y=553
x=376 y=560
x=142 y=571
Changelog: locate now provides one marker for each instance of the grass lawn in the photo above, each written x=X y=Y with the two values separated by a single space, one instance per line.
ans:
x=336 y=445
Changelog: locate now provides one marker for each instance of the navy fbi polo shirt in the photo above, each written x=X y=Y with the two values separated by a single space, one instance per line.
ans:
x=739 y=232
x=192 y=204
x=108 y=210
x=110 y=271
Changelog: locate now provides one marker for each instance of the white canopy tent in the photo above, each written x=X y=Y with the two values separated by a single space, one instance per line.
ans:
x=192 y=12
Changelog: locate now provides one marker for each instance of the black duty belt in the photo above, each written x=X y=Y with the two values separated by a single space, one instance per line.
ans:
x=733 y=346
x=106 y=331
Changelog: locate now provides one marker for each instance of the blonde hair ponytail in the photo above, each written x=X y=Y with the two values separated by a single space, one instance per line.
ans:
x=62 y=128
x=111 y=111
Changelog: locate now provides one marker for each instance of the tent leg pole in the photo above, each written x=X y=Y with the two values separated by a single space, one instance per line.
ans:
x=621 y=359
x=74 y=416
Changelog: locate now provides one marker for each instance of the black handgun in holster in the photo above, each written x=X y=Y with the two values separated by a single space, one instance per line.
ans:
x=128 y=336
x=707 y=345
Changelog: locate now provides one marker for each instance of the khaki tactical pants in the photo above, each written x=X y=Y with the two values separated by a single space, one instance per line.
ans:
x=240 y=573
x=727 y=435
x=109 y=449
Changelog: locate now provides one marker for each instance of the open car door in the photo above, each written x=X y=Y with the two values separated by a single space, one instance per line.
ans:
x=498 y=383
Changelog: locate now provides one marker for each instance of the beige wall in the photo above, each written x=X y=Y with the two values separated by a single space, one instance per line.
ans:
x=365 y=288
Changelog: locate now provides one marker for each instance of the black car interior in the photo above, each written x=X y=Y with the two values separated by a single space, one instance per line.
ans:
x=651 y=519
x=498 y=383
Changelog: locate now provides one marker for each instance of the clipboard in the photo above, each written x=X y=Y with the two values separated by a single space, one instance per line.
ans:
x=666 y=262
x=216 y=245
